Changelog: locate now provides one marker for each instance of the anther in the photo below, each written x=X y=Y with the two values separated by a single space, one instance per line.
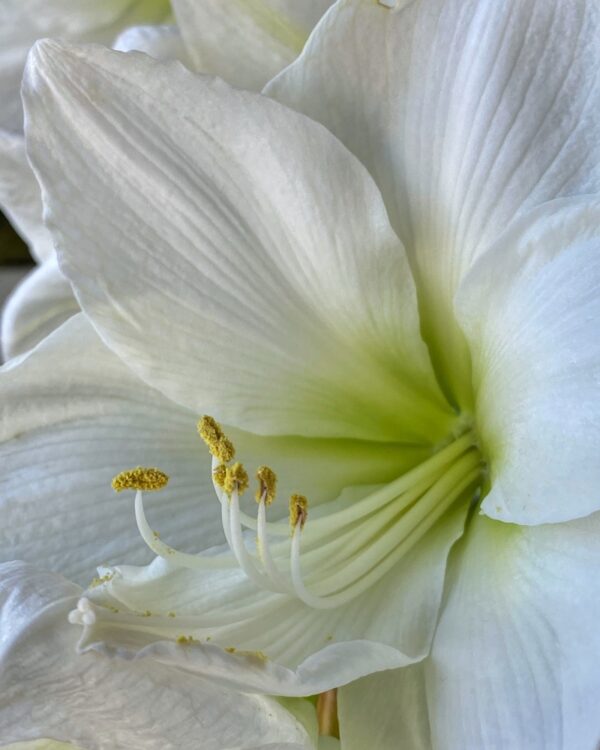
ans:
x=218 y=444
x=219 y=474
x=140 y=478
x=298 y=511
x=267 y=485
x=236 y=478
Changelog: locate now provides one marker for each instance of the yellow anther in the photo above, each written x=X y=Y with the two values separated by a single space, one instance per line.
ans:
x=218 y=444
x=140 y=478
x=267 y=484
x=223 y=450
x=298 y=511
x=236 y=478
x=219 y=475
x=209 y=430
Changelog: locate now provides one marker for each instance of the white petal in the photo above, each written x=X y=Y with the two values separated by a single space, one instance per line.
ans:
x=515 y=657
x=20 y=196
x=39 y=305
x=246 y=43
x=386 y=711
x=41 y=744
x=531 y=312
x=22 y=23
x=466 y=112
x=72 y=418
x=161 y=42
x=290 y=302
x=281 y=646
x=48 y=690
x=304 y=710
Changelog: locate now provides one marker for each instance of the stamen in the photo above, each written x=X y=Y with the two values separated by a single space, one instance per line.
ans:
x=264 y=551
x=219 y=472
x=363 y=570
x=219 y=475
x=428 y=471
x=186 y=560
x=335 y=548
x=140 y=479
x=239 y=548
x=346 y=549
x=298 y=511
x=425 y=511
x=218 y=444
x=267 y=485
x=236 y=479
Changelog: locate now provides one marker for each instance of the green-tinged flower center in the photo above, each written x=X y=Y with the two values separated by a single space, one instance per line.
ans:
x=329 y=557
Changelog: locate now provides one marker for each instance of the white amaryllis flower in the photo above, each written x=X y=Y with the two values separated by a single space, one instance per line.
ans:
x=48 y=691
x=246 y=43
x=239 y=260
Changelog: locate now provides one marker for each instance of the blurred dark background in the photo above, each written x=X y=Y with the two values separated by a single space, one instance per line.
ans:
x=15 y=260
x=13 y=251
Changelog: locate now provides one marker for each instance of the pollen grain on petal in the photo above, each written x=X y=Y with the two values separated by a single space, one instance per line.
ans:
x=267 y=485
x=217 y=442
x=185 y=640
x=236 y=478
x=140 y=478
x=298 y=511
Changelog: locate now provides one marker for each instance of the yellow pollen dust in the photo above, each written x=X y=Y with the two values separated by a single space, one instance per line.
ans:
x=98 y=581
x=140 y=478
x=236 y=478
x=298 y=511
x=267 y=485
x=218 y=444
x=185 y=640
